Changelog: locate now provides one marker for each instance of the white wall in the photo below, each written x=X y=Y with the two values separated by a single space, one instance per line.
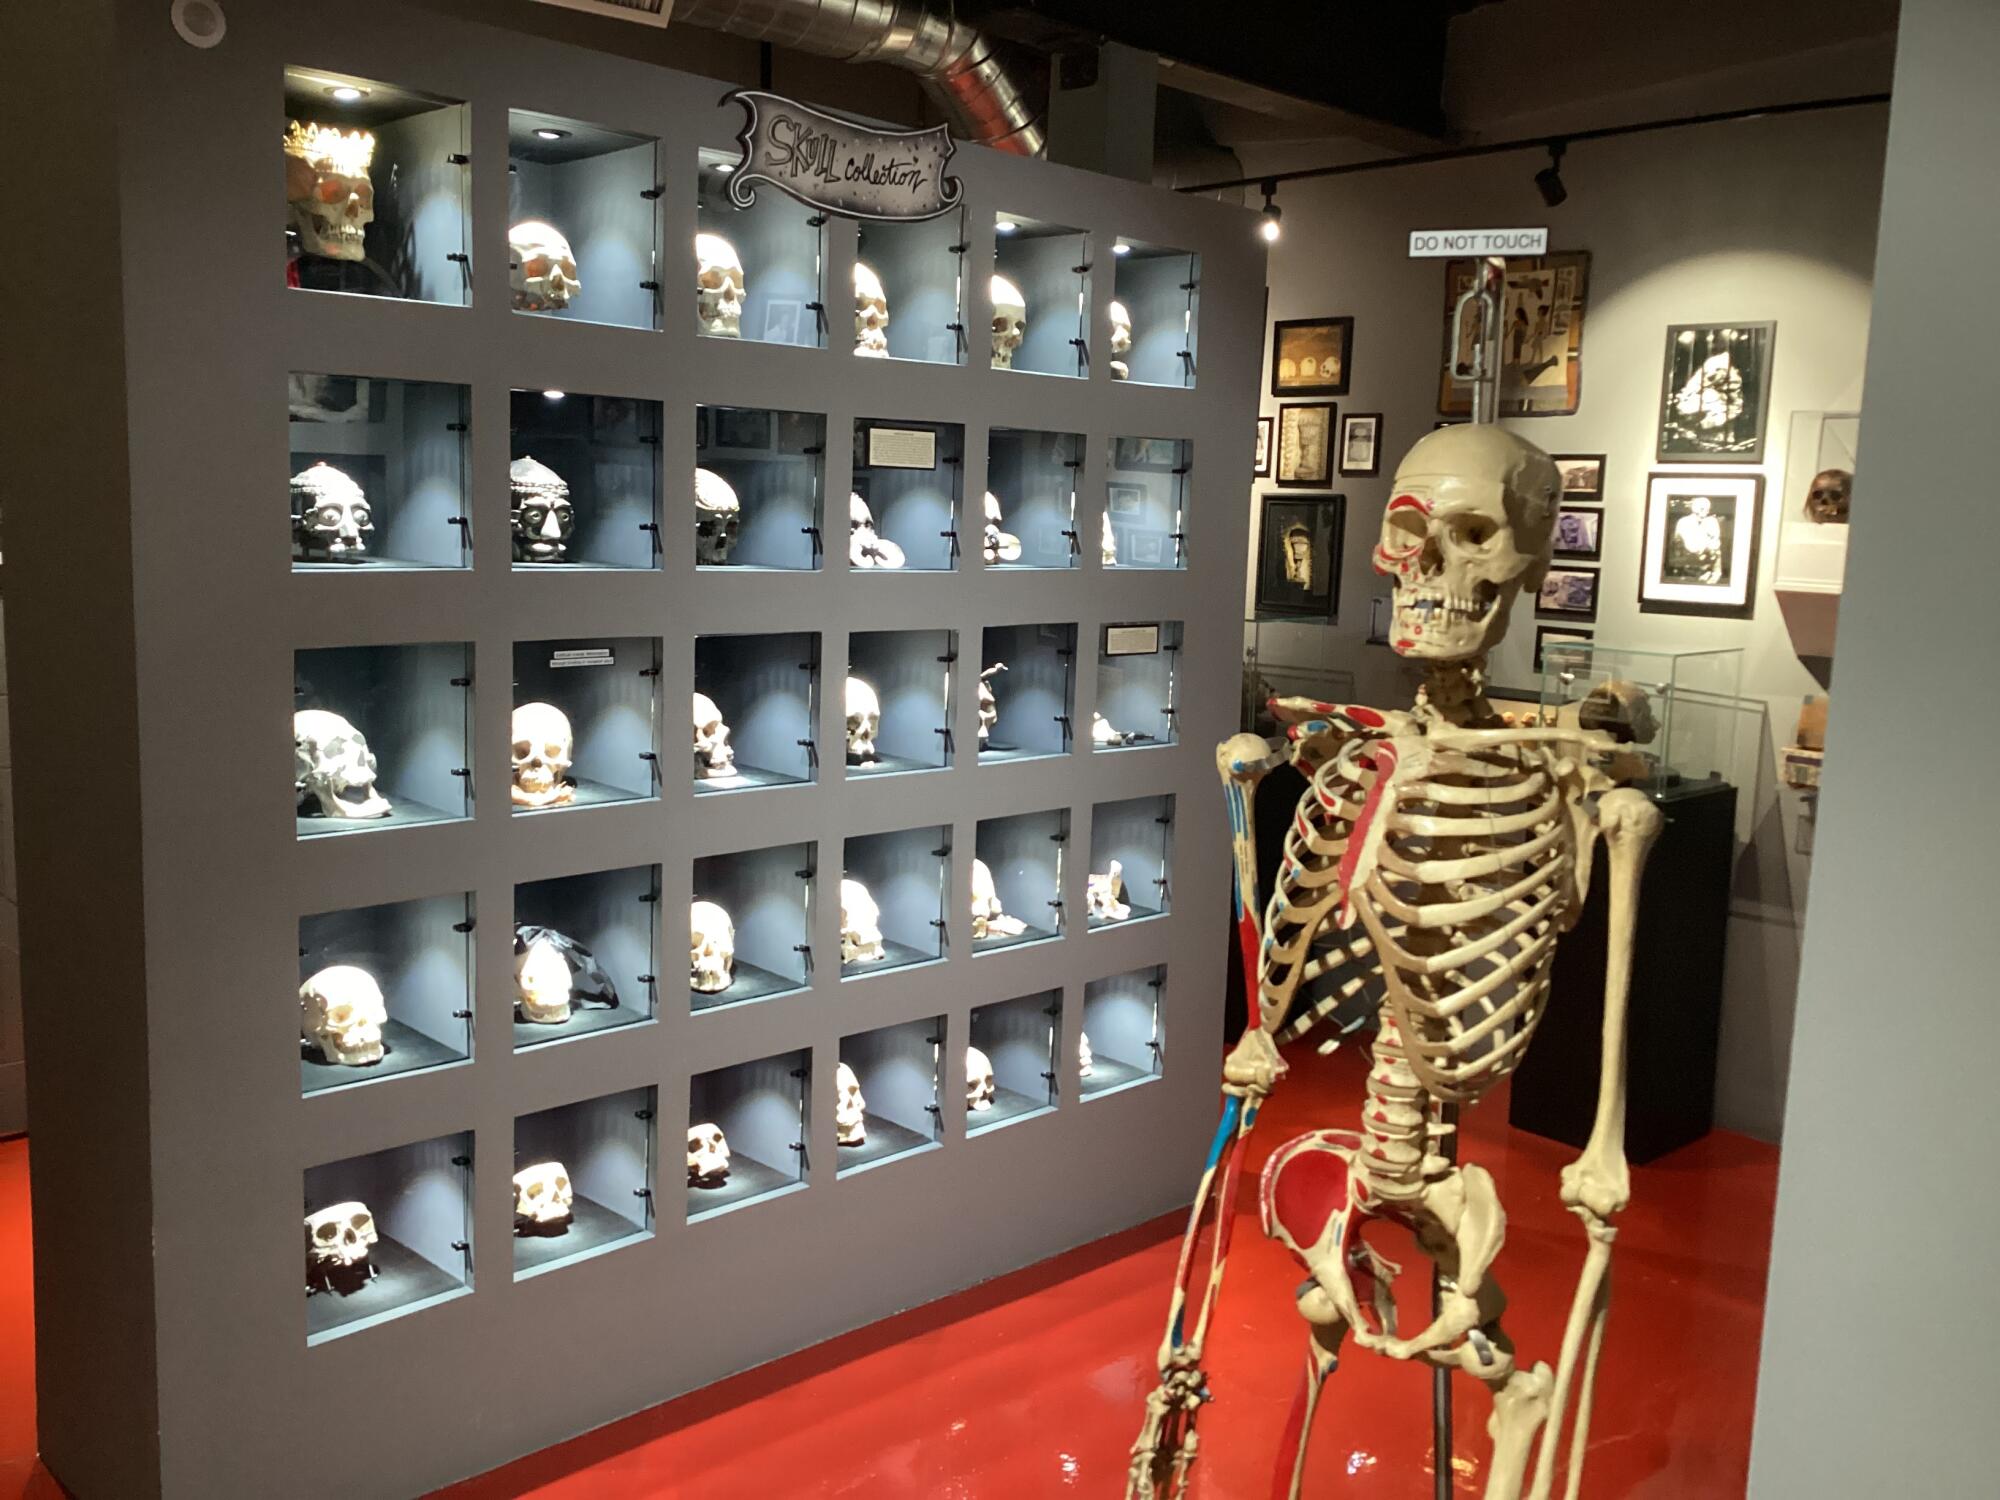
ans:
x=1768 y=219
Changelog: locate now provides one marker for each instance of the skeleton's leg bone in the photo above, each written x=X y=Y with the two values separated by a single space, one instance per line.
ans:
x=1520 y=1406
x=1580 y=1429
x=1322 y=1359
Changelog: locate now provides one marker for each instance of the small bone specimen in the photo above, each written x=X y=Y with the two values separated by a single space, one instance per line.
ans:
x=711 y=948
x=542 y=516
x=330 y=515
x=712 y=756
x=1105 y=894
x=1121 y=341
x=989 y=706
x=708 y=1156
x=1102 y=733
x=334 y=768
x=995 y=545
x=860 y=925
x=1107 y=543
x=871 y=314
x=542 y=985
x=1086 y=1060
x=1299 y=556
x=850 y=1123
x=342 y=1013
x=989 y=919
x=327 y=191
x=864 y=722
x=866 y=549
x=718 y=286
x=1010 y=321
x=543 y=750
x=718 y=516
x=543 y=1197
x=979 y=1085
x=540 y=268
x=1829 y=498
x=338 y=1239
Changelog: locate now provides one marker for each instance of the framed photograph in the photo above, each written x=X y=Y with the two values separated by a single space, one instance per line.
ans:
x=1162 y=454
x=1361 y=444
x=1305 y=443
x=1263 y=468
x=1124 y=499
x=1310 y=356
x=1298 y=558
x=1148 y=548
x=1579 y=532
x=1547 y=635
x=1714 y=392
x=1541 y=337
x=1700 y=555
x=742 y=427
x=782 y=317
x=1583 y=477
x=1568 y=594
x=1381 y=614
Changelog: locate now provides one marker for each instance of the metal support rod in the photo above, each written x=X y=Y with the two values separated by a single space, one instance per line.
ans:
x=1441 y=1475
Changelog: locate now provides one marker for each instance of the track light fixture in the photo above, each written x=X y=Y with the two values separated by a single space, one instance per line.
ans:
x=1272 y=214
x=1548 y=181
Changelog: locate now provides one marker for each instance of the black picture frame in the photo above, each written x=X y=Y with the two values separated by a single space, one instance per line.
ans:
x=1554 y=586
x=1348 y=423
x=1568 y=464
x=1734 y=597
x=1692 y=395
x=1322 y=518
x=1579 y=533
x=1544 y=633
x=1316 y=467
x=1302 y=340
x=1267 y=437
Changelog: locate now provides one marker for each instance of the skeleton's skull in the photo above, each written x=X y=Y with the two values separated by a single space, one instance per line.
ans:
x=712 y=756
x=718 y=516
x=543 y=1197
x=989 y=706
x=998 y=546
x=849 y=1120
x=333 y=766
x=1121 y=341
x=864 y=722
x=1086 y=1060
x=711 y=948
x=341 y=1012
x=708 y=1156
x=860 y=925
x=540 y=267
x=543 y=984
x=1107 y=543
x=1828 y=500
x=718 y=286
x=542 y=514
x=1105 y=894
x=1010 y=321
x=871 y=314
x=338 y=1237
x=978 y=1080
x=1468 y=526
x=327 y=190
x=866 y=549
x=330 y=515
x=544 y=750
x=989 y=918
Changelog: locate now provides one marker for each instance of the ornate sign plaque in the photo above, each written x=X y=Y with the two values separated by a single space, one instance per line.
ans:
x=838 y=166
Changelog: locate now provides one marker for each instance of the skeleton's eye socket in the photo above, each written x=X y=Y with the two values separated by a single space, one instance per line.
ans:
x=362 y=1223
x=562 y=1184
x=709 y=279
x=534 y=1190
x=523 y=749
x=1474 y=531
x=1408 y=527
x=329 y=190
x=552 y=750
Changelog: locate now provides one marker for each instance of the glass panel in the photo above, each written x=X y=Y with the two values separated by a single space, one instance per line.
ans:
x=1039 y=297
x=384 y=990
x=758 y=482
x=898 y=699
x=1145 y=503
x=585 y=727
x=583 y=221
x=751 y=926
x=909 y=292
x=759 y=271
x=909 y=478
x=380 y=736
x=1131 y=846
x=1030 y=514
x=747 y=1133
x=1017 y=880
x=1120 y=1044
x=892 y=912
x=753 y=711
x=583 y=1180
x=585 y=481
x=1027 y=691
x=386 y=1235
x=378 y=473
x=1154 y=291
x=885 y=1099
x=1136 y=672
x=601 y=941
x=1010 y=1072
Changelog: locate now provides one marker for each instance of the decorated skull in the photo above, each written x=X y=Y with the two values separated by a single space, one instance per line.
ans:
x=341 y=1012
x=542 y=514
x=544 y=750
x=708 y=1156
x=1121 y=341
x=711 y=948
x=327 y=190
x=850 y=1121
x=871 y=314
x=1105 y=894
x=718 y=286
x=989 y=706
x=865 y=548
x=860 y=925
x=979 y=1085
x=1468 y=526
x=718 y=516
x=1086 y=1060
x=543 y=1197
x=989 y=918
x=339 y=1237
x=712 y=756
x=864 y=722
x=997 y=546
x=540 y=267
x=333 y=767
x=1010 y=321
x=1828 y=499
x=543 y=984
x=330 y=515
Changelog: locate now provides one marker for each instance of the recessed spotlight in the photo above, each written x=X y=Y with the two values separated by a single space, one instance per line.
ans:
x=346 y=93
x=554 y=395
x=550 y=133
x=1121 y=248
x=1005 y=226
x=723 y=169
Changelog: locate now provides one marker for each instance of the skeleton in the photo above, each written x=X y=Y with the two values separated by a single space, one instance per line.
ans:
x=864 y=722
x=860 y=925
x=995 y=545
x=866 y=549
x=540 y=268
x=330 y=515
x=711 y=948
x=1107 y=542
x=989 y=918
x=1434 y=859
x=543 y=988
x=1010 y=321
x=979 y=1085
x=327 y=191
x=1086 y=1060
x=708 y=1156
x=544 y=749
x=850 y=1122
x=718 y=517
x=334 y=768
x=713 y=758
x=989 y=706
x=341 y=1012
x=1121 y=341
x=338 y=1239
x=871 y=314
x=718 y=286
x=1828 y=500
x=1104 y=894
x=542 y=515
x=543 y=1198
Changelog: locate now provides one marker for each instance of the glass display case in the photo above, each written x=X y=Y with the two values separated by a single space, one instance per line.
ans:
x=584 y=481
x=1136 y=672
x=759 y=487
x=1029 y=520
x=386 y=1234
x=1145 y=503
x=1155 y=294
x=1039 y=297
x=909 y=289
x=1685 y=729
x=380 y=736
x=764 y=898
x=1820 y=459
x=1027 y=691
x=747 y=1132
x=583 y=1180
x=909 y=482
x=759 y=271
x=1131 y=850
x=892 y=900
x=891 y=1111
x=898 y=696
x=1017 y=880
x=753 y=711
x=377 y=473
x=384 y=990
x=602 y=930
x=585 y=726
x=1010 y=1069
x=583 y=221
x=1121 y=1030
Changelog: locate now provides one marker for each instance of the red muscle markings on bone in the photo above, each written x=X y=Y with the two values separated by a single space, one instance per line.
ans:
x=1304 y=1190
x=1383 y=758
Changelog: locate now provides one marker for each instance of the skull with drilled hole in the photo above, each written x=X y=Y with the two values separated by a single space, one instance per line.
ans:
x=850 y=1122
x=712 y=756
x=989 y=918
x=1086 y=1060
x=871 y=314
x=989 y=706
x=708 y=1156
x=331 y=519
x=342 y=1013
x=333 y=767
x=1010 y=321
x=1105 y=894
x=864 y=722
x=543 y=518
x=711 y=948
x=718 y=286
x=544 y=750
x=544 y=987
x=860 y=925
x=339 y=1237
x=1468 y=526
x=718 y=516
x=1828 y=499
x=540 y=267
x=979 y=1085
x=997 y=546
x=327 y=190
x=1121 y=341
x=543 y=1197
x=866 y=548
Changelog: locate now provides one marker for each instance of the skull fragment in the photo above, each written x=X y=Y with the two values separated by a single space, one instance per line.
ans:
x=330 y=515
x=718 y=286
x=866 y=549
x=989 y=706
x=540 y=267
x=712 y=756
x=871 y=314
x=1121 y=341
x=850 y=1122
x=860 y=925
x=1105 y=894
x=543 y=518
x=1010 y=321
x=543 y=984
x=979 y=1085
x=544 y=750
x=711 y=948
x=327 y=191
x=1828 y=500
x=864 y=722
x=543 y=1198
x=708 y=1156
x=338 y=1239
x=341 y=1012
x=334 y=768
x=989 y=918
x=997 y=546
x=718 y=517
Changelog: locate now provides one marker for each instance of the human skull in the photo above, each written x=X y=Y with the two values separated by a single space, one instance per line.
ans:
x=543 y=1196
x=864 y=722
x=544 y=749
x=1828 y=500
x=860 y=925
x=718 y=286
x=327 y=190
x=334 y=767
x=1469 y=525
x=989 y=706
x=1107 y=543
x=1010 y=321
x=341 y=1011
x=338 y=1237
x=871 y=314
x=1086 y=1060
x=849 y=1120
x=1105 y=894
x=979 y=1085
x=989 y=918
x=998 y=546
x=542 y=983
x=718 y=516
x=330 y=515
x=708 y=1156
x=711 y=948
x=543 y=517
x=865 y=548
x=540 y=267
x=712 y=756
x=1121 y=341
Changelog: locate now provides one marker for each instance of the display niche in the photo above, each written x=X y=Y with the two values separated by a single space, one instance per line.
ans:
x=583 y=1180
x=584 y=482
x=583 y=221
x=759 y=271
x=1010 y=1072
x=909 y=480
x=1016 y=895
x=384 y=990
x=380 y=736
x=1029 y=519
x=1027 y=691
x=375 y=189
x=585 y=724
x=750 y=926
x=386 y=1235
x=377 y=473
x=1154 y=293
x=892 y=891
x=898 y=699
x=759 y=485
x=1137 y=672
x=885 y=1095
x=909 y=290
x=753 y=711
x=586 y=954
x=1131 y=847
x=1040 y=297
x=747 y=1133
x=1145 y=504
x=1121 y=1025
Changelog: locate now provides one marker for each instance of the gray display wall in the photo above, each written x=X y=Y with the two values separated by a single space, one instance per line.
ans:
x=174 y=1148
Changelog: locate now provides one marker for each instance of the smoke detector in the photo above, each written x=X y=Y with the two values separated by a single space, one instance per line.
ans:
x=646 y=12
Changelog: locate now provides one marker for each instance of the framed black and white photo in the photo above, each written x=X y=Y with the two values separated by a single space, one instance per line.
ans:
x=1124 y=499
x=1263 y=468
x=744 y=427
x=1582 y=476
x=781 y=320
x=1714 y=392
x=1700 y=555
x=1361 y=444
x=1579 y=532
x=1568 y=594
x=1305 y=443
x=1310 y=356
x=1550 y=635
x=1298 y=557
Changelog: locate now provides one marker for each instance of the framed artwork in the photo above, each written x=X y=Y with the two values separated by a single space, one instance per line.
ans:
x=1541 y=337
x=1583 y=477
x=1546 y=635
x=1715 y=391
x=1298 y=557
x=1361 y=444
x=1381 y=613
x=742 y=427
x=1700 y=555
x=1305 y=442
x=782 y=320
x=1124 y=499
x=1579 y=532
x=1310 y=356
x=1162 y=454
x=1568 y=594
x=1263 y=468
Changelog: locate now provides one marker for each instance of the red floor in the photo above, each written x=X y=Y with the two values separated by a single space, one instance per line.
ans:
x=1032 y=1385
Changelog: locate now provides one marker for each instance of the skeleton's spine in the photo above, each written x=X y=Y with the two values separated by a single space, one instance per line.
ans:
x=1394 y=1120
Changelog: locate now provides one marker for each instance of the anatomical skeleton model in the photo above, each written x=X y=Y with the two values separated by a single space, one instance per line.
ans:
x=1434 y=859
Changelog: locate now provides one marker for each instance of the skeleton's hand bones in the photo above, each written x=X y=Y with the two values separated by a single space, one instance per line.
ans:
x=1253 y=1066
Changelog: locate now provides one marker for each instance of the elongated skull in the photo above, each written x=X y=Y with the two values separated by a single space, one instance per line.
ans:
x=718 y=516
x=989 y=918
x=1086 y=1060
x=712 y=755
x=540 y=267
x=339 y=1235
x=860 y=925
x=543 y=986
x=708 y=1155
x=866 y=549
x=871 y=314
x=995 y=545
x=1828 y=500
x=850 y=1121
x=327 y=191
x=1105 y=894
x=341 y=1012
x=864 y=722
x=1121 y=341
x=544 y=750
x=543 y=518
x=979 y=1086
x=1010 y=321
x=1468 y=526
x=989 y=706
x=331 y=519
x=543 y=1195
x=711 y=948
x=334 y=767
x=718 y=286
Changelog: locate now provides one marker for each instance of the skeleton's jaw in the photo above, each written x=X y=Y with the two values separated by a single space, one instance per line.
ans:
x=352 y=800
x=1434 y=623
x=541 y=789
x=335 y=239
x=354 y=1049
